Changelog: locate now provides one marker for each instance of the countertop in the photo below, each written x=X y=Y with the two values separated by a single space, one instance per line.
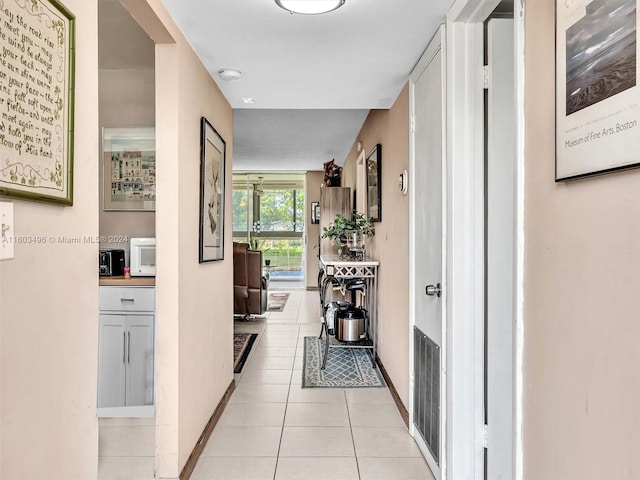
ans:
x=128 y=282
x=339 y=262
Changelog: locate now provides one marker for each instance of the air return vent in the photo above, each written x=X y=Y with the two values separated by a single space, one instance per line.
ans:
x=426 y=394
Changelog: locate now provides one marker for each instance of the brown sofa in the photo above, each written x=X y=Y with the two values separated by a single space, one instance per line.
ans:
x=249 y=284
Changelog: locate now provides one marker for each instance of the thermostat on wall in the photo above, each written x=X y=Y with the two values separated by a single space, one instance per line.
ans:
x=403 y=182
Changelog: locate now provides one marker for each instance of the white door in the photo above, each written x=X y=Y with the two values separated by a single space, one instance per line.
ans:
x=501 y=250
x=427 y=161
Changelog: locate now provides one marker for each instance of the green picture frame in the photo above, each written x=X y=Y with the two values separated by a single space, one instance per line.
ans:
x=38 y=77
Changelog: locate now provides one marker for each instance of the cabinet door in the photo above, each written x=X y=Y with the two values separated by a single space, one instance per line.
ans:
x=139 y=354
x=111 y=361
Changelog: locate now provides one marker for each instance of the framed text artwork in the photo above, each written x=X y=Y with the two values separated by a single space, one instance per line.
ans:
x=597 y=97
x=129 y=168
x=212 y=172
x=36 y=98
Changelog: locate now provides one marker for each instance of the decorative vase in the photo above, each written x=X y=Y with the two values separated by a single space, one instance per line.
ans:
x=355 y=242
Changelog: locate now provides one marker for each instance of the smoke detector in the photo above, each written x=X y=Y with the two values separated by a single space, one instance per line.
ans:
x=229 y=74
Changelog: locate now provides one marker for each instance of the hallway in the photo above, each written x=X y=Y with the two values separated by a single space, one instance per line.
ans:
x=274 y=429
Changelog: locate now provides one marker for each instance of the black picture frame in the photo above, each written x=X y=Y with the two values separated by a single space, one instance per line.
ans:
x=213 y=150
x=373 y=165
x=315 y=213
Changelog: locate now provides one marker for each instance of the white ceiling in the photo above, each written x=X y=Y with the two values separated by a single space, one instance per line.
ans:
x=323 y=71
x=358 y=56
x=293 y=140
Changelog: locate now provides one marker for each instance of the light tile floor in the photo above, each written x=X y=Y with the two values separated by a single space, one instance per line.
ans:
x=126 y=449
x=274 y=429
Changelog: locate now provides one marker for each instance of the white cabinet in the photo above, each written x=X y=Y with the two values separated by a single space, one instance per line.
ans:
x=126 y=346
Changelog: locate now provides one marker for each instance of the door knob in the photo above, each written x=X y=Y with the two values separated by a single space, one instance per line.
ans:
x=433 y=290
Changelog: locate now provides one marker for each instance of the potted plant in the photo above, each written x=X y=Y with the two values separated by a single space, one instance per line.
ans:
x=257 y=243
x=349 y=230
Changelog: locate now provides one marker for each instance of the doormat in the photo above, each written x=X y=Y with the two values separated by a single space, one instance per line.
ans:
x=346 y=367
x=277 y=301
x=242 y=343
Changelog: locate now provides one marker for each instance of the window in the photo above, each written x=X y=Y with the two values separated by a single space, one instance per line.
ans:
x=280 y=210
x=268 y=212
x=266 y=206
x=241 y=205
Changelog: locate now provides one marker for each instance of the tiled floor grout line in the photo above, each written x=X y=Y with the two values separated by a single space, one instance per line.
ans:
x=286 y=406
x=353 y=440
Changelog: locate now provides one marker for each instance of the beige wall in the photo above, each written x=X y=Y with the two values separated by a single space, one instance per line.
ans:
x=313 y=184
x=195 y=312
x=582 y=279
x=206 y=294
x=390 y=245
x=49 y=305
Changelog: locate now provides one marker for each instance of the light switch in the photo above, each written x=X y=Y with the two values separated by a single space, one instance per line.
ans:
x=6 y=231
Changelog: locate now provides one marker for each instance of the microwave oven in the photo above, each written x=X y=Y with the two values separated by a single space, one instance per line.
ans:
x=142 y=257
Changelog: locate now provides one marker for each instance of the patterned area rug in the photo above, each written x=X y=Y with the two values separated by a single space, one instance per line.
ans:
x=346 y=367
x=277 y=301
x=242 y=343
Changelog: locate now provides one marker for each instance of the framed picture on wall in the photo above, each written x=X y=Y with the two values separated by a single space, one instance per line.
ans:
x=37 y=98
x=129 y=169
x=597 y=99
x=212 y=169
x=374 y=176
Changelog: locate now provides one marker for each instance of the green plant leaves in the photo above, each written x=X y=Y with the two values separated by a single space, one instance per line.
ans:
x=342 y=226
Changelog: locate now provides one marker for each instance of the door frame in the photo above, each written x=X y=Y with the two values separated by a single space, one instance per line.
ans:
x=462 y=453
x=465 y=264
x=436 y=45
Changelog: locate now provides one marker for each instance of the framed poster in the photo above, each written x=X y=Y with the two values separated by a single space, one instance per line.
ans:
x=212 y=170
x=37 y=79
x=597 y=96
x=129 y=168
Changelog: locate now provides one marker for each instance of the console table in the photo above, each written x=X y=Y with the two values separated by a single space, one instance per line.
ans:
x=333 y=267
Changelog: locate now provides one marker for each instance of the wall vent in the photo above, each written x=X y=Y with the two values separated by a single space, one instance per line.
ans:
x=426 y=393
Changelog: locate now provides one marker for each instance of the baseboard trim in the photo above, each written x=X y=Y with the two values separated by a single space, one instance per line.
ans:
x=394 y=393
x=206 y=433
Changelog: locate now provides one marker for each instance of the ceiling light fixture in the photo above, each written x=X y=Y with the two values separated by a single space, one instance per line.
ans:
x=310 y=7
x=229 y=74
